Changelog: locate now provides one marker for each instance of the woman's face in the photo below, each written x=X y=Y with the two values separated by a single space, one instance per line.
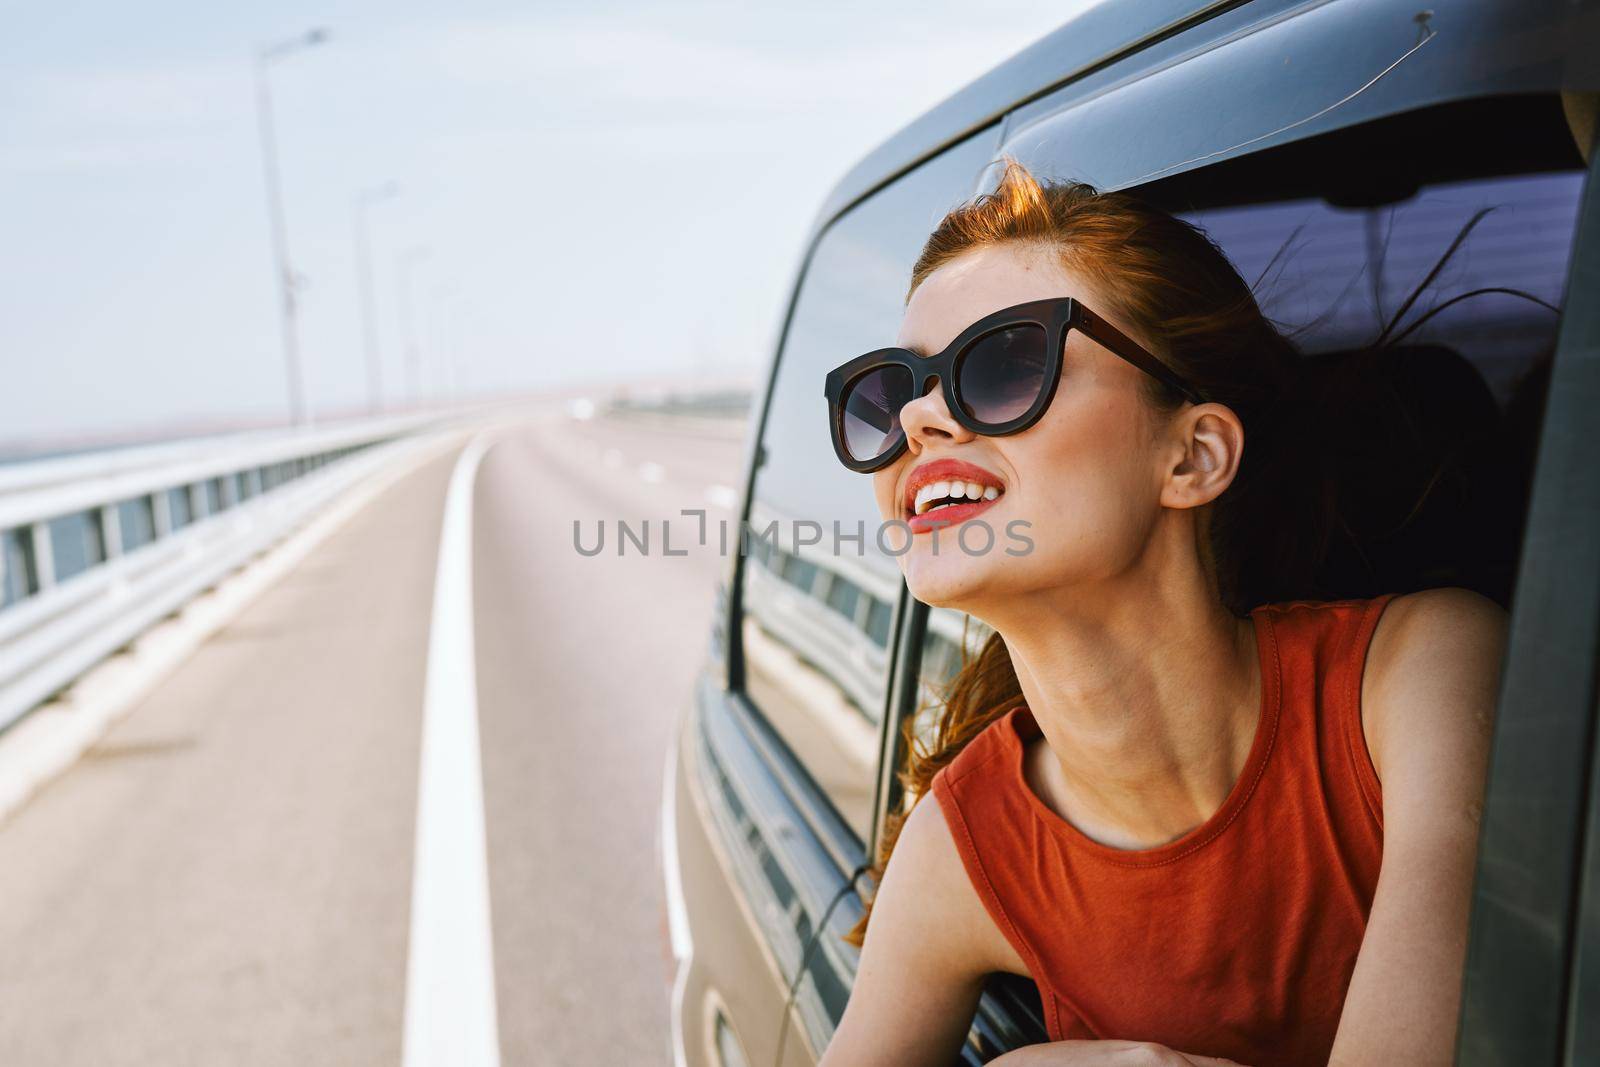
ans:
x=1082 y=484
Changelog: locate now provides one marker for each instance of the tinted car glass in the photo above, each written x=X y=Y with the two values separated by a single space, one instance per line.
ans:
x=819 y=592
x=1471 y=376
x=951 y=639
x=1336 y=274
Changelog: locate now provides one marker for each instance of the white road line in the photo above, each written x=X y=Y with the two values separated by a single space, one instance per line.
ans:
x=681 y=940
x=450 y=998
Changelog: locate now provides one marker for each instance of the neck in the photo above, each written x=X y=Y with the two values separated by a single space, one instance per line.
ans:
x=1147 y=691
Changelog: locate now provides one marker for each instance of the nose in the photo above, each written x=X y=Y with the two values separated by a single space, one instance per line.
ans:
x=926 y=420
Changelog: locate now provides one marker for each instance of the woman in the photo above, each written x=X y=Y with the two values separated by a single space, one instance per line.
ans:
x=1215 y=819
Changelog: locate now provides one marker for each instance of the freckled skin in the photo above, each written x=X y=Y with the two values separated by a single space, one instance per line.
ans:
x=1087 y=476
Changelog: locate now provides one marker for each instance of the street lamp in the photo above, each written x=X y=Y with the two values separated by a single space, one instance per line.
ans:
x=275 y=214
x=404 y=263
x=369 y=324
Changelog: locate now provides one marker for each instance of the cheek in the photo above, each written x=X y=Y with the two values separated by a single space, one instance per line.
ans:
x=883 y=490
x=1085 y=478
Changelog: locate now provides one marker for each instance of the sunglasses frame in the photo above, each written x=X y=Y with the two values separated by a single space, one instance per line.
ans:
x=1056 y=316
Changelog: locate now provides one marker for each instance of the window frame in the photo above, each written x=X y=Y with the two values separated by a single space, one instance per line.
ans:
x=1523 y=958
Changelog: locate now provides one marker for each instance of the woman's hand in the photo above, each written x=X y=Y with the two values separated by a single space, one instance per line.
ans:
x=1106 y=1054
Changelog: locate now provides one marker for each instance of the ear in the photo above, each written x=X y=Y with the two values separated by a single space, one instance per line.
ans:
x=1208 y=442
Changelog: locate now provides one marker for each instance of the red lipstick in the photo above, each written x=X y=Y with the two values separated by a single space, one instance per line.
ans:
x=951 y=507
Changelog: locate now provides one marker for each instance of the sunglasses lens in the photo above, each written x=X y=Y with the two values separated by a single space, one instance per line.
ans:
x=1002 y=375
x=872 y=404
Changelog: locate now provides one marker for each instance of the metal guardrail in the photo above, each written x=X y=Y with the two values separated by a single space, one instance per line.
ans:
x=94 y=549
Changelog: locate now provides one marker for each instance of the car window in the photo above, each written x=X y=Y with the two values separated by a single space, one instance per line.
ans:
x=1346 y=270
x=951 y=640
x=819 y=593
x=1313 y=263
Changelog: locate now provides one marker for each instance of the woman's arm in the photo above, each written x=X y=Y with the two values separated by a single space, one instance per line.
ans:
x=1110 y=1053
x=1428 y=697
x=923 y=961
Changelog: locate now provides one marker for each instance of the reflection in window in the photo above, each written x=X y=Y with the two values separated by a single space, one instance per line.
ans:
x=813 y=669
x=843 y=596
x=950 y=641
x=879 y=618
x=941 y=658
x=817 y=618
x=802 y=574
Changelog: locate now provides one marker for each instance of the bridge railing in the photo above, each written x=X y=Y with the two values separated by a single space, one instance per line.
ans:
x=96 y=548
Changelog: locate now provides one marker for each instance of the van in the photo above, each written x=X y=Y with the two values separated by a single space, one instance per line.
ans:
x=1333 y=149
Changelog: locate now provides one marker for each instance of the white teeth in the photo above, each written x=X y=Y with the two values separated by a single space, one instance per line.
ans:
x=954 y=490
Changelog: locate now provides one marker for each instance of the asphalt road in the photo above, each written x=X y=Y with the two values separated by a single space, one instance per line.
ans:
x=226 y=878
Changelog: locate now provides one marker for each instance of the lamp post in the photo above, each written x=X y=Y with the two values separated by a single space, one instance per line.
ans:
x=403 y=267
x=365 y=199
x=275 y=214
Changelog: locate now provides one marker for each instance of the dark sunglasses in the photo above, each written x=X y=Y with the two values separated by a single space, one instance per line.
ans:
x=998 y=377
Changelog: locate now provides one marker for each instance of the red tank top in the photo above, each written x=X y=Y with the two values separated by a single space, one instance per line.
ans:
x=1237 y=939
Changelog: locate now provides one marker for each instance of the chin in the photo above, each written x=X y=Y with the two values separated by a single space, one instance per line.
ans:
x=947 y=580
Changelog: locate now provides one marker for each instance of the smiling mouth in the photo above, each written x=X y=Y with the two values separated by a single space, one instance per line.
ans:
x=947 y=494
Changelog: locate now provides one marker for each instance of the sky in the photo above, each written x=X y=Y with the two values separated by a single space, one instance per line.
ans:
x=603 y=192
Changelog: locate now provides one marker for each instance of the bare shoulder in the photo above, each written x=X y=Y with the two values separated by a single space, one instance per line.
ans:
x=1428 y=697
x=1433 y=664
x=931 y=861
